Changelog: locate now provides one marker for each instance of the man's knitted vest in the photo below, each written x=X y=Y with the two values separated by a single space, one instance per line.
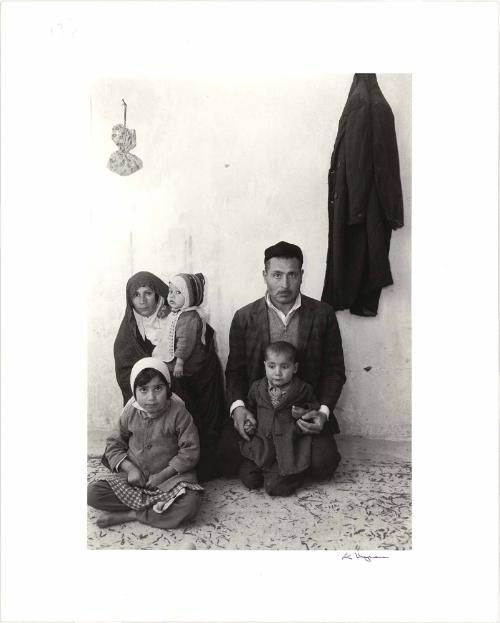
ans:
x=277 y=330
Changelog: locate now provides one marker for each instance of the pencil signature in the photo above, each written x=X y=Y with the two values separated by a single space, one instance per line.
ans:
x=367 y=557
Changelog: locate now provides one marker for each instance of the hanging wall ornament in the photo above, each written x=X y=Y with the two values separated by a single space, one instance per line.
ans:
x=121 y=161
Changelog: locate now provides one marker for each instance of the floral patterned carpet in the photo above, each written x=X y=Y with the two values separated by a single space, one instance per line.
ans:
x=366 y=506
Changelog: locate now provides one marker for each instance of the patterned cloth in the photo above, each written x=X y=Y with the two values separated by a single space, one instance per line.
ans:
x=121 y=161
x=139 y=498
x=277 y=394
x=165 y=348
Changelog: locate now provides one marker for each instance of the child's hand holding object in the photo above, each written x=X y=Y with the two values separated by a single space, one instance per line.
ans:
x=154 y=480
x=135 y=477
x=298 y=412
x=163 y=311
x=249 y=427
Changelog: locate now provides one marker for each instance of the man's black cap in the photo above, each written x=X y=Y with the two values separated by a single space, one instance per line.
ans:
x=283 y=249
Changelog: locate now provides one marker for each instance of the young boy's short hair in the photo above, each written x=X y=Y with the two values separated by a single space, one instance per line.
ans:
x=282 y=348
x=148 y=374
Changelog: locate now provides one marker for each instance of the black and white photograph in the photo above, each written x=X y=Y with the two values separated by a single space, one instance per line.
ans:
x=262 y=215
x=249 y=273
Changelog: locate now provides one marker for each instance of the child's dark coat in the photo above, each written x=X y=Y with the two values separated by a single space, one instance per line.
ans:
x=278 y=438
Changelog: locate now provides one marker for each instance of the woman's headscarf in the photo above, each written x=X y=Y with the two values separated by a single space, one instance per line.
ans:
x=151 y=327
x=144 y=279
x=130 y=345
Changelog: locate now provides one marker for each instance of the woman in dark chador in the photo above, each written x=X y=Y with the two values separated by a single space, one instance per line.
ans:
x=143 y=327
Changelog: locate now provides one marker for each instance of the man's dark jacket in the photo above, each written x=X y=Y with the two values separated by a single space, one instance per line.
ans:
x=365 y=200
x=320 y=355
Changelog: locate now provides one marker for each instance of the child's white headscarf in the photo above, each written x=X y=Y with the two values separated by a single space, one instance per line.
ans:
x=149 y=362
x=142 y=364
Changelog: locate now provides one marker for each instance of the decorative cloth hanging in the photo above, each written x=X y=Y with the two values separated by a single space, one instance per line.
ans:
x=121 y=161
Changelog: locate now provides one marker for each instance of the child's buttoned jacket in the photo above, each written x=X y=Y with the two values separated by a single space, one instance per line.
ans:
x=153 y=443
x=277 y=437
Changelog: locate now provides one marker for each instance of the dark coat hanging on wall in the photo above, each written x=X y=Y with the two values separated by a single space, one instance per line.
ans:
x=365 y=201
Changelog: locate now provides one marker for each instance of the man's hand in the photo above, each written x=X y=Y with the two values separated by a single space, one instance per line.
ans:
x=312 y=422
x=240 y=416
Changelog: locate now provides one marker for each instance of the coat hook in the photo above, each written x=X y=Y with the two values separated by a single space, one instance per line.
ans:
x=124 y=104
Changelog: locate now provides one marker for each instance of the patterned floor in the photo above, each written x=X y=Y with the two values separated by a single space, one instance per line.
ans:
x=366 y=506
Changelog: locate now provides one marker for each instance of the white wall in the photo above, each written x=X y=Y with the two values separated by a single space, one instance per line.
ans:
x=231 y=167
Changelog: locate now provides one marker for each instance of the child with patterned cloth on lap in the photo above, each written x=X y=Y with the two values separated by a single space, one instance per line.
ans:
x=278 y=453
x=152 y=453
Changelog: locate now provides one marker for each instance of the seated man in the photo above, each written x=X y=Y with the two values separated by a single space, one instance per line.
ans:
x=284 y=314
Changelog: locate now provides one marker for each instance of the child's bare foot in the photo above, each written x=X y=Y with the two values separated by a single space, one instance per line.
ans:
x=184 y=545
x=112 y=519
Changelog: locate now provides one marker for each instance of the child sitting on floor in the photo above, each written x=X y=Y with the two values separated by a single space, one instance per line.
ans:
x=152 y=453
x=278 y=453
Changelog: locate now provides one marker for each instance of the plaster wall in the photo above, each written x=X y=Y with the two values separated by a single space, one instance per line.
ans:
x=231 y=167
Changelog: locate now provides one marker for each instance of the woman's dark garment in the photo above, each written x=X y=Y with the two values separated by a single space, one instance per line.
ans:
x=129 y=345
x=203 y=392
